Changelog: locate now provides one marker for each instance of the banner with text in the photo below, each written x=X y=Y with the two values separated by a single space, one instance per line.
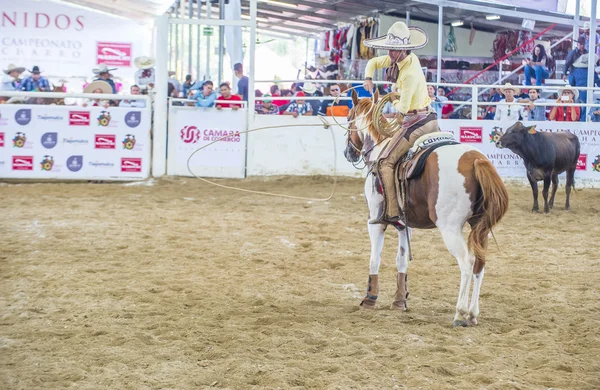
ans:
x=192 y=128
x=483 y=134
x=67 y=41
x=69 y=142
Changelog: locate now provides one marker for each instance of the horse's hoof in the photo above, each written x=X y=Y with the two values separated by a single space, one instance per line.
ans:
x=399 y=305
x=461 y=323
x=368 y=304
x=472 y=321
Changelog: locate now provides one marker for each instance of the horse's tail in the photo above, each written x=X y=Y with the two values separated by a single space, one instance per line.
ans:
x=492 y=207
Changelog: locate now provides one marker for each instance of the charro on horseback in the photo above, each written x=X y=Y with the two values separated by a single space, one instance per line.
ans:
x=413 y=105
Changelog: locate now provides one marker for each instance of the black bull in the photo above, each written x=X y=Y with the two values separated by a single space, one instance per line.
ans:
x=546 y=155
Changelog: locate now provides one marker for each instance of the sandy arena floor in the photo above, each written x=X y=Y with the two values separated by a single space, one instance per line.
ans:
x=181 y=285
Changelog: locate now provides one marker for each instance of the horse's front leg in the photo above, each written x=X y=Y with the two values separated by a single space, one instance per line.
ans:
x=402 y=265
x=376 y=234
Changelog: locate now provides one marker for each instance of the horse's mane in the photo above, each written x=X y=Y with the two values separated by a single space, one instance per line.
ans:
x=365 y=106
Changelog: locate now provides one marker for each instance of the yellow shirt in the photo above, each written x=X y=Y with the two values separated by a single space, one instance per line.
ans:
x=411 y=82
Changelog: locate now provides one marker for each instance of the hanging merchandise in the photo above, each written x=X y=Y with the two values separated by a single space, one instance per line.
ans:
x=472 y=35
x=451 y=45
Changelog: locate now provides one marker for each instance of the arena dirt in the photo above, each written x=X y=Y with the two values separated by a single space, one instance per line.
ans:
x=181 y=285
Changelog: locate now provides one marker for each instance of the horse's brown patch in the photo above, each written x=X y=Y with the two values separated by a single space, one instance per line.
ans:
x=465 y=168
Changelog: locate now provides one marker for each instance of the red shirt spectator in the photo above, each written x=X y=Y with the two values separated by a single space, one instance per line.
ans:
x=566 y=113
x=226 y=95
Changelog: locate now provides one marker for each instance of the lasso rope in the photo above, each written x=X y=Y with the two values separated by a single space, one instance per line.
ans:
x=325 y=125
x=380 y=123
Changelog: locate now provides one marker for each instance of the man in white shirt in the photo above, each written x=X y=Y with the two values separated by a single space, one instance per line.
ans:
x=511 y=112
x=135 y=90
x=10 y=81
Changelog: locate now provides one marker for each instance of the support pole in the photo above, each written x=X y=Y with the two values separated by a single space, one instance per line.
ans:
x=159 y=141
x=408 y=18
x=592 y=51
x=190 y=15
x=252 y=62
x=198 y=38
x=208 y=37
x=176 y=26
x=221 y=39
x=440 y=42
x=576 y=24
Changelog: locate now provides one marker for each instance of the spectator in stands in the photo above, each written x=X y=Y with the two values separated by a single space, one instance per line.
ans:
x=275 y=93
x=10 y=80
x=134 y=90
x=286 y=102
x=103 y=73
x=309 y=90
x=145 y=75
x=333 y=108
x=267 y=106
x=595 y=112
x=242 y=91
x=36 y=82
x=98 y=86
x=436 y=103
x=490 y=111
x=511 y=112
x=447 y=109
x=586 y=35
x=225 y=90
x=534 y=111
x=187 y=85
x=175 y=82
x=299 y=107
x=572 y=56
x=206 y=97
x=579 y=77
x=564 y=113
x=536 y=65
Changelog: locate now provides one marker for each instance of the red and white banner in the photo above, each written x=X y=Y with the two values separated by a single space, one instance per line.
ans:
x=113 y=54
x=483 y=134
x=192 y=128
x=62 y=142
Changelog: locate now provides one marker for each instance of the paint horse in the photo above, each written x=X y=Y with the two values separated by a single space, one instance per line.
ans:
x=458 y=185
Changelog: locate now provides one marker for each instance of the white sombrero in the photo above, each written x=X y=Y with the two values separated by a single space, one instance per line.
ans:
x=400 y=37
x=144 y=62
x=102 y=68
x=98 y=84
x=309 y=88
x=574 y=91
x=13 y=67
x=517 y=90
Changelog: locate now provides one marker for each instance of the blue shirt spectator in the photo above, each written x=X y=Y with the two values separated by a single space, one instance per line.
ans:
x=238 y=69
x=533 y=111
x=36 y=82
x=206 y=97
x=595 y=112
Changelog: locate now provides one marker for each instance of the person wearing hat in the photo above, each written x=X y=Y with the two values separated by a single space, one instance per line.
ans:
x=103 y=73
x=511 y=110
x=267 y=106
x=310 y=90
x=564 y=113
x=586 y=35
x=299 y=107
x=97 y=86
x=36 y=82
x=10 y=80
x=145 y=75
x=413 y=106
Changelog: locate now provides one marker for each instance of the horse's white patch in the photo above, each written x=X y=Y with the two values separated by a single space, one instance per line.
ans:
x=452 y=189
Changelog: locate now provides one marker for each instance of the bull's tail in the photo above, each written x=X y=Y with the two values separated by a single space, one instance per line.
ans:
x=493 y=206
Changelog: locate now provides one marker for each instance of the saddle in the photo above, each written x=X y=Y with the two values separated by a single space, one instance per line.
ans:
x=413 y=164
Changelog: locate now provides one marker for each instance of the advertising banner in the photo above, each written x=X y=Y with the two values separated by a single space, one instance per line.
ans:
x=67 y=41
x=484 y=134
x=68 y=142
x=192 y=128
